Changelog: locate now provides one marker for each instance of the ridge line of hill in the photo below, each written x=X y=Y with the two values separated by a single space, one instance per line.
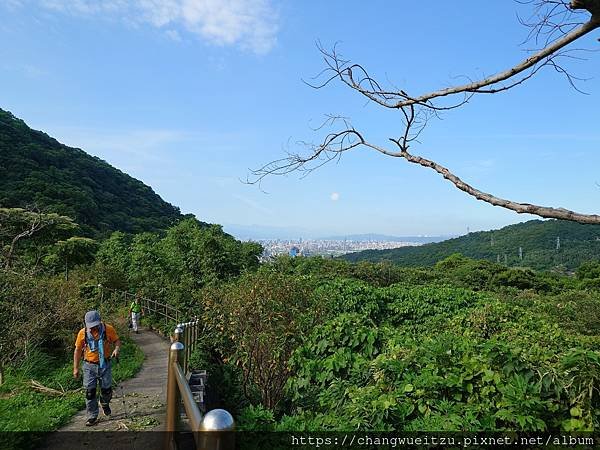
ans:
x=538 y=244
x=38 y=171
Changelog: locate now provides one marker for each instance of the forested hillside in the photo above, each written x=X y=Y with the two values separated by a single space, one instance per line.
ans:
x=37 y=171
x=545 y=245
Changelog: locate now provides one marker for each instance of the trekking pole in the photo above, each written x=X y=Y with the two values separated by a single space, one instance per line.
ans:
x=123 y=400
x=122 y=394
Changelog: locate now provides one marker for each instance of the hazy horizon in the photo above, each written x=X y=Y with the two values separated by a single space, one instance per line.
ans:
x=257 y=231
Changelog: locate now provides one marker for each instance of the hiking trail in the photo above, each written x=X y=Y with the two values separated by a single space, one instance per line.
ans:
x=144 y=395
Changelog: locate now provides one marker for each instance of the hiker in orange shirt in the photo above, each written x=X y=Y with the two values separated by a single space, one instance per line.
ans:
x=93 y=343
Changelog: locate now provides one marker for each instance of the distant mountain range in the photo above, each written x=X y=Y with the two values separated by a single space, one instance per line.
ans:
x=255 y=232
x=542 y=245
x=370 y=237
x=38 y=171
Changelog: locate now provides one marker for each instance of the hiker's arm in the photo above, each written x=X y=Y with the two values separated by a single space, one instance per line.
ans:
x=115 y=353
x=78 y=353
x=76 y=362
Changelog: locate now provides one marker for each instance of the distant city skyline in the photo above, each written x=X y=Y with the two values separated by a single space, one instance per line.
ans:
x=319 y=247
x=189 y=96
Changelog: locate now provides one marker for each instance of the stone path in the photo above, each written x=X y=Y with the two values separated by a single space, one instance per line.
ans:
x=138 y=404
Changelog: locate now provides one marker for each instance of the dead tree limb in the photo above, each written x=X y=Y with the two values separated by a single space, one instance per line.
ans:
x=521 y=208
x=556 y=19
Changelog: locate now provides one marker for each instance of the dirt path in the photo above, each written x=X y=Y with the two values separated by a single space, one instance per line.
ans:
x=138 y=404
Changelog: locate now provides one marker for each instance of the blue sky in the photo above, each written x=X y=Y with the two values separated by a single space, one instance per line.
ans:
x=187 y=95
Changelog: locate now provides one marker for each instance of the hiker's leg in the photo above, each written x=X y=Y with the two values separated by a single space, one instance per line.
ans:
x=106 y=384
x=134 y=321
x=90 y=381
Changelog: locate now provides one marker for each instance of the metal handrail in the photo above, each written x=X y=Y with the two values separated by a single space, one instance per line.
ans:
x=211 y=431
x=191 y=410
x=217 y=422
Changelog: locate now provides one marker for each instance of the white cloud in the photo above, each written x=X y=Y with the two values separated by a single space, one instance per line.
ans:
x=85 y=7
x=335 y=196
x=173 y=35
x=12 y=4
x=249 y=24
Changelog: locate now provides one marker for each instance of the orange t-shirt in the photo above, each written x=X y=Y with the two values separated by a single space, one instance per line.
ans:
x=110 y=338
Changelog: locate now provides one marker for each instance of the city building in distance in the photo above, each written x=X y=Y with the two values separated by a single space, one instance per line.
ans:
x=321 y=247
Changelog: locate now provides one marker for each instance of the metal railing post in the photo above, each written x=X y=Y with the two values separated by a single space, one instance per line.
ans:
x=189 y=346
x=197 y=330
x=216 y=431
x=195 y=333
x=173 y=395
x=178 y=333
x=186 y=342
x=192 y=337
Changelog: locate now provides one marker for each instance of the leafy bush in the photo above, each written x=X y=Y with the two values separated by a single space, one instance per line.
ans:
x=255 y=323
x=49 y=310
x=171 y=267
x=339 y=349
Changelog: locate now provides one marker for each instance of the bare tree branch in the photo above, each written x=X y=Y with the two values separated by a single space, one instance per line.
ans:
x=555 y=22
x=389 y=99
x=521 y=208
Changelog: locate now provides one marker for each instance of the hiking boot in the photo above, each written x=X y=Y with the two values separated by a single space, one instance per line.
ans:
x=106 y=410
x=91 y=421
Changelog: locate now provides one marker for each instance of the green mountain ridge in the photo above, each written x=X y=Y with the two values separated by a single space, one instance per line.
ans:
x=537 y=239
x=38 y=171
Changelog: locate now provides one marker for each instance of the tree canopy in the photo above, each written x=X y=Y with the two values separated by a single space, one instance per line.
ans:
x=38 y=171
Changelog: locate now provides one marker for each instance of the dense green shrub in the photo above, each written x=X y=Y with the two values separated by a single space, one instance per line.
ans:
x=255 y=323
x=41 y=313
x=491 y=366
x=173 y=265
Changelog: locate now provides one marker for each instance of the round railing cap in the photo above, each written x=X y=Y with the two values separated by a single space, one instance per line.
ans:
x=177 y=346
x=217 y=420
x=178 y=330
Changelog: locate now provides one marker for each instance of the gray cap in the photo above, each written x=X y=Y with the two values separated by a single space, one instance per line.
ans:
x=92 y=319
